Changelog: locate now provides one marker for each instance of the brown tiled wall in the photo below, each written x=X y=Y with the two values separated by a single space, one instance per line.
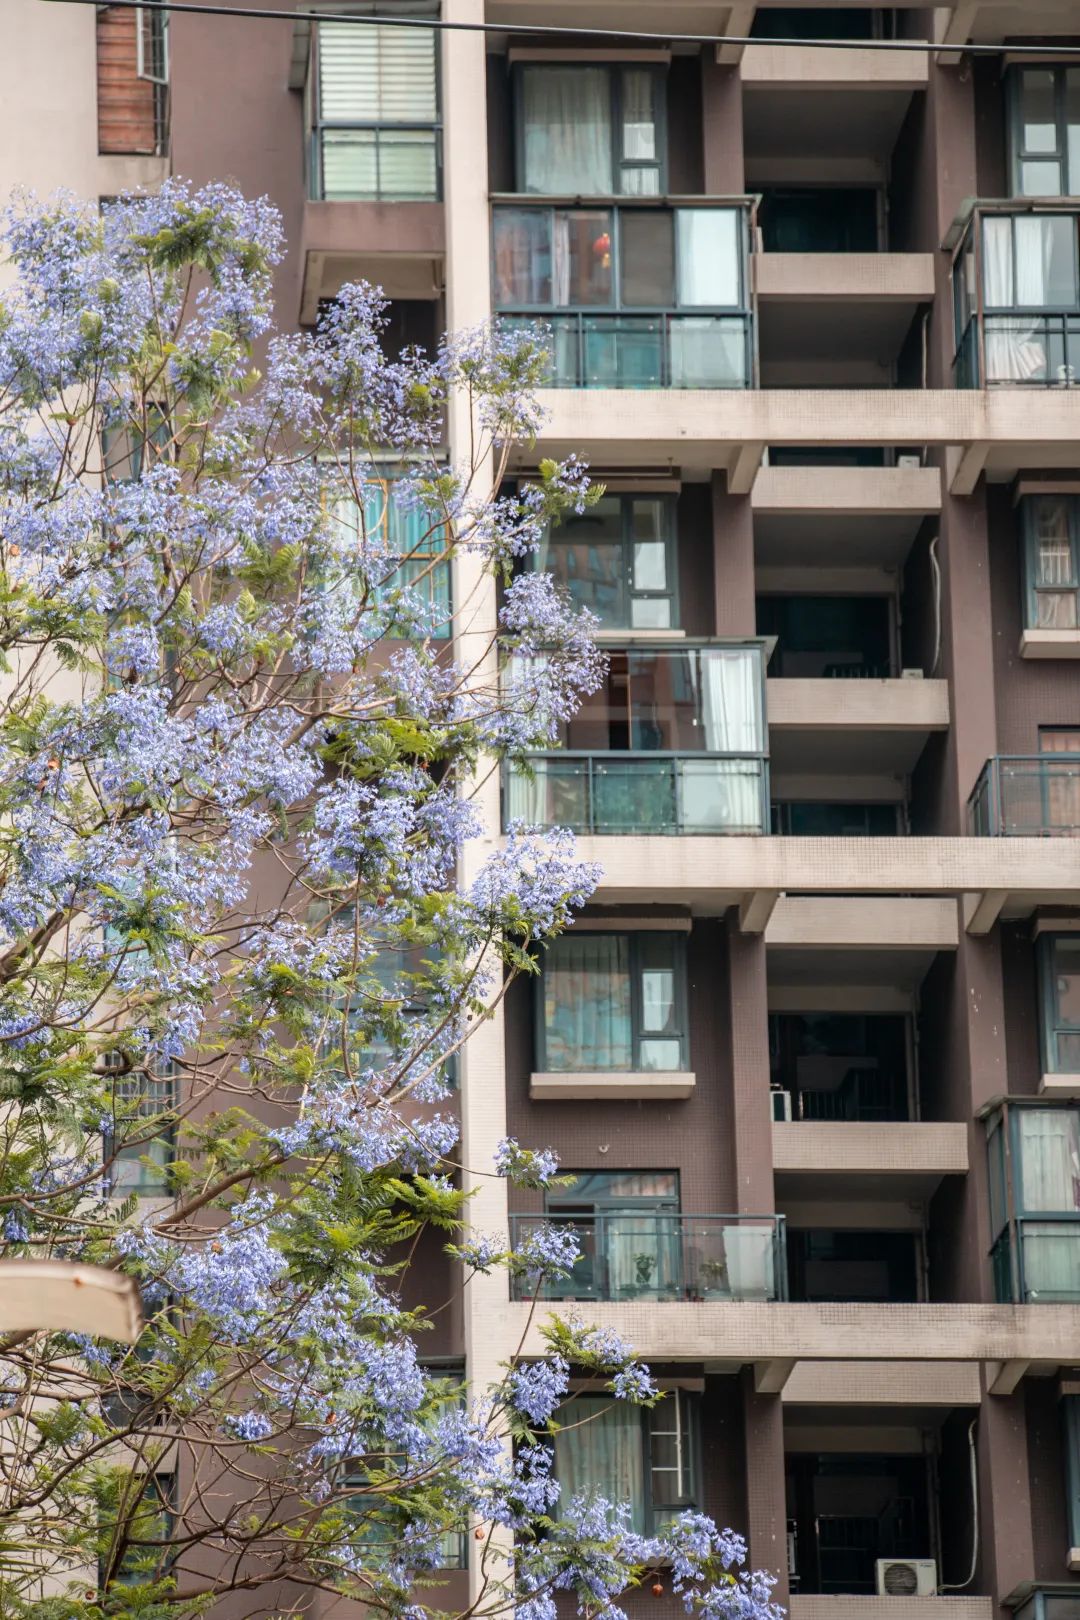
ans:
x=125 y=103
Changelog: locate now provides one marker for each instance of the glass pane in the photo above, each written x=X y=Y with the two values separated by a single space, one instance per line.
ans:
x=634 y=796
x=708 y=352
x=1046 y=275
x=996 y=1155
x=1055 y=610
x=1037 y=110
x=647 y=258
x=650 y=613
x=522 y=255
x=349 y=165
x=1040 y=179
x=710 y=253
x=1051 y=1261
x=650 y=565
x=566 y=115
x=407 y=169
x=659 y=1056
x=640 y=181
x=1050 y=1159
x=1053 y=543
x=1058 y=740
x=585 y=554
x=598 y=1451
x=720 y=796
x=586 y=995
x=639 y=114
x=581 y=267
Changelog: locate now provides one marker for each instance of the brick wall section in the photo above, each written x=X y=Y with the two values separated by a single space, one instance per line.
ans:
x=125 y=103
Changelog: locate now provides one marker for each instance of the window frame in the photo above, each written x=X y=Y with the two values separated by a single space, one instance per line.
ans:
x=688 y=1426
x=681 y=1004
x=1030 y=555
x=165 y=1483
x=1018 y=155
x=144 y=1183
x=1049 y=1029
x=317 y=124
x=620 y=164
x=438 y=585
x=1070 y=1429
x=560 y=535
x=1005 y=1166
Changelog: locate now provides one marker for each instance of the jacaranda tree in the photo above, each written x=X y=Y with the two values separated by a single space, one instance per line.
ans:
x=237 y=958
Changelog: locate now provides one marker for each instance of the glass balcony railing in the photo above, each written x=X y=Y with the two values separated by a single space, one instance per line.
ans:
x=1016 y=297
x=642 y=295
x=663 y=1256
x=1037 y=1261
x=1027 y=796
x=674 y=742
x=596 y=793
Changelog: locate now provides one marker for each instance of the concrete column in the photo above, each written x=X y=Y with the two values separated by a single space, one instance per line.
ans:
x=733 y=561
x=722 y=127
x=468 y=302
x=751 y=1118
x=1007 y=1549
x=766 y=1507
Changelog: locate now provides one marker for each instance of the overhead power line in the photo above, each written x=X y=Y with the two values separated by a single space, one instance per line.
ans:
x=622 y=35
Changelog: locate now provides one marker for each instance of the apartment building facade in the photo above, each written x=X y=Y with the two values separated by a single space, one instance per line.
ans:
x=813 y=1053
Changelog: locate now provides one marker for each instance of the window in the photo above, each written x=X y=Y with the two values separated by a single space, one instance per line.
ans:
x=613 y=1003
x=376 y=119
x=1045 y=131
x=408 y=549
x=1059 y=961
x=644 y=1458
x=590 y=131
x=381 y=1520
x=618 y=559
x=152 y=44
x=138 y=1158
x=1035 y=1203
x=1051 y=561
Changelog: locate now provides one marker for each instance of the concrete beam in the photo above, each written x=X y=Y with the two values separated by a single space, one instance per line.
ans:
x=755 y=910
x=1002 y=1377
x=771 y=1376
x=981 y=911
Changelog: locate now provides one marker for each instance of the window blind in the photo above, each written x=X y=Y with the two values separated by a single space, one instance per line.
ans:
x=372 y=74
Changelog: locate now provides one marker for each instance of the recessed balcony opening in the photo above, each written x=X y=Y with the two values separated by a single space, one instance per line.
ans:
x=847 y=1511
x=829 y=456
x=823 y=22
x=840 y=1066
x=674 y=742
x=844 y=1267
x=822 y=219
x=637 y=1244
x=846 y=637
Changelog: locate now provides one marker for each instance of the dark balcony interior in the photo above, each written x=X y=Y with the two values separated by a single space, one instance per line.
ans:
x=822 y=22
x=847 y=1510
x=811 y=819
x=841 y=1066
x=844 y=1268
x=821 y=219
x=857 y=455
x=847 y=637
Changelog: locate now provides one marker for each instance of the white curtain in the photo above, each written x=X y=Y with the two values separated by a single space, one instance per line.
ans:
x=726 y=794
x=708 y=257
x=1029 y=262
x=1050 y=1152
x=567 y=121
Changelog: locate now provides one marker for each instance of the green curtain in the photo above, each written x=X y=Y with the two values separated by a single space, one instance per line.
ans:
x=599 y=1453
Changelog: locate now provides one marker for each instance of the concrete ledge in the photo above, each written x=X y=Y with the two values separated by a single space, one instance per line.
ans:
x=905 y=278
x=884 y=1383
x=613 y=1087
x=1050 y=644
x=1059 y=1085
x=747 y=1331
x=806 y=704
x=891 y=1608
x=837 y=491
x=785 y=66
x=841 y=1148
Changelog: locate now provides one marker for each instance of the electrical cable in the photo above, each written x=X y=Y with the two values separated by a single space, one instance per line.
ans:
x=623 y=35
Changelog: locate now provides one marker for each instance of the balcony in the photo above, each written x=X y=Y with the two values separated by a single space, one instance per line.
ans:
x=854 y=726
x=673 y=744
x=667 y=1257
x=1027 y=796
x=818 y=1158
x=1016 y=291
x=840 y=516
x=1033 y=1149
x=837 y=317
x=643 y=296
x=803 y=1607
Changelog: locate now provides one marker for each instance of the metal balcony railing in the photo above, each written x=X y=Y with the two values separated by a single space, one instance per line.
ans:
x=659 y=1255
x=648 y=294
x=1016 y=296
x=1027 y=796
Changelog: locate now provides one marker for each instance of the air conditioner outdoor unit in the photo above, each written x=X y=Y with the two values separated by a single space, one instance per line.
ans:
x=906 y=1577
x=781 y=1105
